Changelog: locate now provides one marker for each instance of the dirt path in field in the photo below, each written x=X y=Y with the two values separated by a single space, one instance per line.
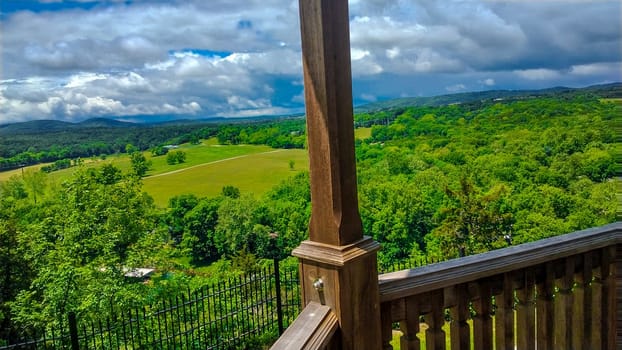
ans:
x=210 y=163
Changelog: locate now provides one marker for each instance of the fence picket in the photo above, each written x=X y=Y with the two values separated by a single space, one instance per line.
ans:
x=228 y=313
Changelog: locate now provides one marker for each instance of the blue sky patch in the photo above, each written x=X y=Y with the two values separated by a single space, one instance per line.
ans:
x=205 y=53
x=11 y=6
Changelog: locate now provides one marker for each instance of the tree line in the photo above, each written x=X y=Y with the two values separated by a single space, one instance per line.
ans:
x=35 y=146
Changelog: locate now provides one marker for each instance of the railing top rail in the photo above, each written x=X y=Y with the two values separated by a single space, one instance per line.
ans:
x=313 y=329
x=396 y=285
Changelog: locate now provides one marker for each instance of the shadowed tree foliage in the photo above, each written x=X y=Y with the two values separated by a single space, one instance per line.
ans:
x=200 y=230
x=473 y=222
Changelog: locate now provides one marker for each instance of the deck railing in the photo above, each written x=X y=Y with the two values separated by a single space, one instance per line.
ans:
x=313 y=329
x=558 y=293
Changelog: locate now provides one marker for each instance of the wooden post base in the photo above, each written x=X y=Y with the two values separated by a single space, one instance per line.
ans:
x=345 y=278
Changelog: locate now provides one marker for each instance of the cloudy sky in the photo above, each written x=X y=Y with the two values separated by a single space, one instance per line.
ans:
x=146 y=59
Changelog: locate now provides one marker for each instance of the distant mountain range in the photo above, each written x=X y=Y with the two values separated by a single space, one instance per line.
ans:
x=613 y=90
x=48 y=126
x=34 y=126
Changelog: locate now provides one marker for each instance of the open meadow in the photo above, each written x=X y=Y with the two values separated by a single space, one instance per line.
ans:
x=252 y=172
x=362 y=133
x=210 y=167
x=207 y=169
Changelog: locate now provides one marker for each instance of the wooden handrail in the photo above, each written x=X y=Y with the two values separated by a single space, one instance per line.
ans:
x=400 y=284
x=313 y=329
x=562 y=292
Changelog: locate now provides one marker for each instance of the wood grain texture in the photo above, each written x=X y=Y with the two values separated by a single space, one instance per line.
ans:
x=588 y=299
x=544 y=308
x=386 y=326
x=336 y=252
x=482 y=321
x=330 y=124
x=597 y=299
x=563 y=305
x=526 y=312
x=313 y=329
x=459 y=332
x=434 y=335
x=410 y=326
x=350 y=280
x=618 y=296
x=396 y=285
x=504 y=315
x=561 y=293
x=580 y=309
x=609 y=318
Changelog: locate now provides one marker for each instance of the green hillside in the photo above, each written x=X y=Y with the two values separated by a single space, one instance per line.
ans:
x=613 y=90
x=250 y=172
x=208 y=167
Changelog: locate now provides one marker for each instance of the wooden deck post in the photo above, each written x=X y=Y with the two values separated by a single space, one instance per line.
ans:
x=337 y=264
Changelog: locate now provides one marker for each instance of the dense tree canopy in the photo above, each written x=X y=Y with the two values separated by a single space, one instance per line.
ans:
x=488 y=174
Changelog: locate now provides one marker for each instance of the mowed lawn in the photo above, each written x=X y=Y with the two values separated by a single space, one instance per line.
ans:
x=202 y=153
x=252 y=169
x=255 y=173
x=208 y=168
x=362 y=133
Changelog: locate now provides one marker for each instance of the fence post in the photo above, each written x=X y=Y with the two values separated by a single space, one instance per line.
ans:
x=275 y=251
x=279 y=302
x=73 y=331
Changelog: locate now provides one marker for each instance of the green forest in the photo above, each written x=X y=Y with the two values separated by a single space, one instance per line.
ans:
x=434 y=182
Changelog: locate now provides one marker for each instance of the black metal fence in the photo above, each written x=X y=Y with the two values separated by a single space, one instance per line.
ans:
x=240 y=313
x=405 y=264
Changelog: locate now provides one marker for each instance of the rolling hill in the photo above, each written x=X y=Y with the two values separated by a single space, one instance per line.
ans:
x=613 y=90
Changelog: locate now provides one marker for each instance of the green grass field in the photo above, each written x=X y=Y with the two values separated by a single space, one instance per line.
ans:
x=253 y=173
x=362 y=133
x=121 y=161
x=208 y=168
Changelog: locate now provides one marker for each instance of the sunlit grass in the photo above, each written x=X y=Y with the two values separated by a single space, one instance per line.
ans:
x=207 y=169
x=252 y=173
x=201 y=154
x=362 y=133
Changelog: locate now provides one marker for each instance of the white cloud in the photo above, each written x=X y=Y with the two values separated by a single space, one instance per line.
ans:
x=358 y=54
x=299 y=99
x=393 y=52
x=192 y=106
x=239 y=102
x=222 y=57
x=79 y=80
x=455 y=88
x=537 y=74
x=369 y=98
x=489 y=82
x=601 y=68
